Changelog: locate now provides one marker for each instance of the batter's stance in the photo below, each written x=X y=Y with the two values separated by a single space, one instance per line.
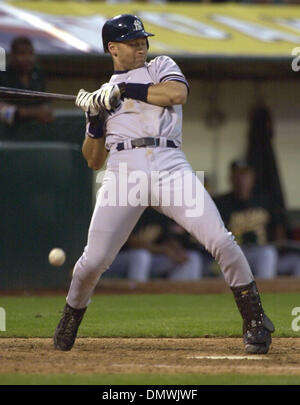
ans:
x=144 y=132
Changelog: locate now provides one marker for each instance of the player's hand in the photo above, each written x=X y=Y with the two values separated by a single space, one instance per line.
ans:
x=108 y=96
x=86 y=102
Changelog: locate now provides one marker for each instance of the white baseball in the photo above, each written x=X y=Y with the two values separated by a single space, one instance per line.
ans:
x=57 y=257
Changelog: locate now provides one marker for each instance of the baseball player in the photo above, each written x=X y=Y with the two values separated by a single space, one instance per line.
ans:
x=142 y=134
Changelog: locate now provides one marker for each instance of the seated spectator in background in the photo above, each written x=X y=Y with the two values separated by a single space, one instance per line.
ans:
x=258 y=225
x=157 y=248
x=252 y=219
x=23 y=73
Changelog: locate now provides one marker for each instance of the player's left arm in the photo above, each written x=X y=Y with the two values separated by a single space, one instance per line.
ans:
x=167 y=93
x=164 y=94
x=169 y=85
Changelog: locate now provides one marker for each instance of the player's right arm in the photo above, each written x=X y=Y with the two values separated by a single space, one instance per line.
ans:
x=93 y=148
x=94 y=152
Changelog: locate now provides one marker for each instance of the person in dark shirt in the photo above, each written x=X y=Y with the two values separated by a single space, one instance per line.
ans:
x=253 y=219
x=158 y=248
x=23 y=73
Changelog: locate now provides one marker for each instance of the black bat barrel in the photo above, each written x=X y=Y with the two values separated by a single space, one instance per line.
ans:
x=10 y=94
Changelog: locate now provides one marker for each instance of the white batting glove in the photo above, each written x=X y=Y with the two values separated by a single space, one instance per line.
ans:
x=108 y=96
x=85 y=101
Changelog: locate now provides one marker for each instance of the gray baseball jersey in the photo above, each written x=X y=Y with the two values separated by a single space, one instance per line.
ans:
x=136 y=119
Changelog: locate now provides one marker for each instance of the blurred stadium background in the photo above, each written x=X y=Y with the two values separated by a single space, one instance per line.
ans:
x=237 y=56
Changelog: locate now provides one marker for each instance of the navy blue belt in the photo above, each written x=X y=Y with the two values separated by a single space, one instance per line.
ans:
x=144 y=142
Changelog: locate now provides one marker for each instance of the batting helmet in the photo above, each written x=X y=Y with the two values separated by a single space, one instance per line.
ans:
x=123 y=27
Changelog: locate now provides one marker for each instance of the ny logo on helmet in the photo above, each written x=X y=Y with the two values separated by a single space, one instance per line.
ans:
x=138 y=25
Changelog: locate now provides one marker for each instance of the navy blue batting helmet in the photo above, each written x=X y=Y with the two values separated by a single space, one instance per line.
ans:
x=123 y=27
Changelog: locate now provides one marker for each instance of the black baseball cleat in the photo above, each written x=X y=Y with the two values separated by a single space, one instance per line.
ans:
x=257 y=335
x=66 y=331
x=257 y=327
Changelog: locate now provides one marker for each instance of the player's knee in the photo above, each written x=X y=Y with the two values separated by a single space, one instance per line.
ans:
x=95 y=266
x=222 y=241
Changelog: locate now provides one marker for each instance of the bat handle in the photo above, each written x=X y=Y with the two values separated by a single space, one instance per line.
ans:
x=114 y=101
x=115 y=96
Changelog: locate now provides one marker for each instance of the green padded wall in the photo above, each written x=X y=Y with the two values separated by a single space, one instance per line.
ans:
x=45 y=202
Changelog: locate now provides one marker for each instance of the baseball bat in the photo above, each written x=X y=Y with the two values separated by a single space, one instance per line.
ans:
x=9 y=93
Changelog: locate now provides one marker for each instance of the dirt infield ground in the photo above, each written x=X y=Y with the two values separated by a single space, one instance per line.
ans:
x=205 y=286
x=114 y=355
x=141 y=355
